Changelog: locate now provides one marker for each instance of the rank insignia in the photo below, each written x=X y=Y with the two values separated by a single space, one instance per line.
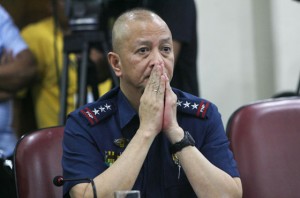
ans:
x=97 y=111
x=197 y=108
x=111 y=157
x=121 y=142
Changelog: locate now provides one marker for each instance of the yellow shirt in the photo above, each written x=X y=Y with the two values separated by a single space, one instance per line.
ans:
x=46 y=91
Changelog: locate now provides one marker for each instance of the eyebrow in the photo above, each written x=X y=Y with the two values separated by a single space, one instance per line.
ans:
x=166 y=40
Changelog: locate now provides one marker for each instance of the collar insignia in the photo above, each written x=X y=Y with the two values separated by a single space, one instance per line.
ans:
x=97 y=111
x=197 y=108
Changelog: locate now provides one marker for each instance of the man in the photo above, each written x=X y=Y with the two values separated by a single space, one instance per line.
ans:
x=17 y=70
x=140 y=136
x=45 y=39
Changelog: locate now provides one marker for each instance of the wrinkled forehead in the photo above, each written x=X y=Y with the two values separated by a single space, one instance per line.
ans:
x=136 y=24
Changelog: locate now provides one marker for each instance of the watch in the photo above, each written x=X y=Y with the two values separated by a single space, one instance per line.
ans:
x=187 y=140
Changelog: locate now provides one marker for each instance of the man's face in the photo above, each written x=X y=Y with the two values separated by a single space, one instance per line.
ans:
x=146 y=44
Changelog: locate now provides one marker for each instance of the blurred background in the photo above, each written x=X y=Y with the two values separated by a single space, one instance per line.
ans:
x=248 y=50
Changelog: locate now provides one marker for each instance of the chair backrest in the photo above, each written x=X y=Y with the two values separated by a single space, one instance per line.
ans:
x=265 y=140
x=37 y=160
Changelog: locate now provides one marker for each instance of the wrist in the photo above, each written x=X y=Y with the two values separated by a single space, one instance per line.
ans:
x=146 y=135
x=187 y=140
x=175 y=135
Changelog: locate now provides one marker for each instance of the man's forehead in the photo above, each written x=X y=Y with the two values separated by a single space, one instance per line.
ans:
x=147 y=27
x=147 y=41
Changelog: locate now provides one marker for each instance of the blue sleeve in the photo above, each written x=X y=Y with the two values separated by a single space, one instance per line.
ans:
x=216 y=145
x=81 y=156
x=10 y=38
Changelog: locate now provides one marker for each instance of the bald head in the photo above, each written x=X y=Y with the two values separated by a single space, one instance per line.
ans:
x=121 y=29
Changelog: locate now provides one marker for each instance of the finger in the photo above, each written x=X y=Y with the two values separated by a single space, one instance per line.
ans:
x=168 y=89
x=153 y=84
x=162 y=86
x=170 y=95
x=168 y=86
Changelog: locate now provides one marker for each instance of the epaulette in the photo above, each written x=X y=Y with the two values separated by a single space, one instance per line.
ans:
x=195 y=107
x=97 y=111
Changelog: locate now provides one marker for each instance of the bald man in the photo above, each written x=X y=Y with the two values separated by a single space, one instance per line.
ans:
x=145 y=135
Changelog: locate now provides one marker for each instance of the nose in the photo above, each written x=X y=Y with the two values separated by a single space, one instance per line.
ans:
x=156 y=58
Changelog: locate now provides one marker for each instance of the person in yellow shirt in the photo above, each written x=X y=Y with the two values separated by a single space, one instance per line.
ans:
x=45 y=39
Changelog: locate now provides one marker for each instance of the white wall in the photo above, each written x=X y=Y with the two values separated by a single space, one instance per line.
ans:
x=286 y=20
x=248 y=50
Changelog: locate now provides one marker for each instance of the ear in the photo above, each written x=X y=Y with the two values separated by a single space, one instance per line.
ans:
x=115 y=62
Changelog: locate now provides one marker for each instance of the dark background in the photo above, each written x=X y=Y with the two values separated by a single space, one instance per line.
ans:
x=25 y=11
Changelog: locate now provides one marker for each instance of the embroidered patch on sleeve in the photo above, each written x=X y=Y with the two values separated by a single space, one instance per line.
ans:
x=193 y=107
x=97 y=111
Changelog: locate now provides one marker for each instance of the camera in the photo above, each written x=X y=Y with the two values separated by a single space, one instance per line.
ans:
x=84 y=15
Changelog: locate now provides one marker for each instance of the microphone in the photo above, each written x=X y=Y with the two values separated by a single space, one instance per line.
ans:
x=60 y=180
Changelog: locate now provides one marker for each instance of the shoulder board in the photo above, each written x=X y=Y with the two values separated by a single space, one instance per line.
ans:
x=195 y=107
x=97 y=111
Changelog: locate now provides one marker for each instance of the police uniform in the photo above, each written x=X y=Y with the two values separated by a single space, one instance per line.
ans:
x=97 y=134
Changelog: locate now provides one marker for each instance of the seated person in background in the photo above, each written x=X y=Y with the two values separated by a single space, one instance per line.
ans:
x=17 y=70
x=45 y=39
x=145 y=135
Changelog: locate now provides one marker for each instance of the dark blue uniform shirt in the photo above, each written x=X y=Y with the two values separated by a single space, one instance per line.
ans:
x=97 y=133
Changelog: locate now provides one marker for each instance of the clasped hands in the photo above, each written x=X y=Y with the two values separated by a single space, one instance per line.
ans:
x=158 y=106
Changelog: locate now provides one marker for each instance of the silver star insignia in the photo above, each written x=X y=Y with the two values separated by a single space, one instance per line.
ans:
x=102 y=109
x=108 y=107
x=179 y=103
x=96 y=111
x=186 y=104
x=194 y=106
